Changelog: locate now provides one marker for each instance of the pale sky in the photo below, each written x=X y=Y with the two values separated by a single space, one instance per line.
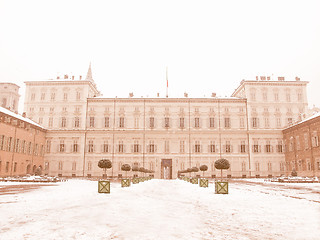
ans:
x=208 y=46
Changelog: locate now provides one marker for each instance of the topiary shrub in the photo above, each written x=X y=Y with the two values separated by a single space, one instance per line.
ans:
x=104 y=164
x=222 y=164
x=126 y=168
x=294 y=173
x=203 y=168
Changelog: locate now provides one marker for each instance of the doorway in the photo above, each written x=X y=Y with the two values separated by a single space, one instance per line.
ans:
x=166 y=169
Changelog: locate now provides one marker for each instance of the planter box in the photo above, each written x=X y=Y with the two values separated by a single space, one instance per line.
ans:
x=204 y=182
x=135 y=180
x=125 y=182
x=221 y=187
x=103 y=186
x=194 y=180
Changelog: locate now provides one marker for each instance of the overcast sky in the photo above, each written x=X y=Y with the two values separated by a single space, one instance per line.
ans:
x=208 y=46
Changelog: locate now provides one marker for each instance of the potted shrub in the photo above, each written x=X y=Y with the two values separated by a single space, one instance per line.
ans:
x=203 y=181
x=294 y=173
x=135 y=180
x=221 y=187
x=104 y=185
x=126 y=181
x=194 y=180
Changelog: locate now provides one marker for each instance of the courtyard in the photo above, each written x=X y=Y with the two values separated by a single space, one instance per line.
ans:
x=159 y=209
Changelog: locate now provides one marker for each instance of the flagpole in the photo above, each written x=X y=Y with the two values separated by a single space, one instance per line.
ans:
x=167 y=95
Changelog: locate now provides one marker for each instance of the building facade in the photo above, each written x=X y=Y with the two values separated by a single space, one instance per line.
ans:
x=22 y=143
x=302 y=147
x=9 y=96
x=165 y=134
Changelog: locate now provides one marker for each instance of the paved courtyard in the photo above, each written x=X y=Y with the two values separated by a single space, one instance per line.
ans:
x=159 y=209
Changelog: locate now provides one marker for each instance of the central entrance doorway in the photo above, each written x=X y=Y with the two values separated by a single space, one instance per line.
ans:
x=166 y=169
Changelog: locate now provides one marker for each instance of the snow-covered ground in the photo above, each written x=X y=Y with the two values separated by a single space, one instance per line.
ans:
x=159 y=209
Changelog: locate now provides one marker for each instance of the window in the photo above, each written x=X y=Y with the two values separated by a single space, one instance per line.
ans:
x=166 y=122
x=315 y=139
x=63 y=122
x=23 y=146
x=242 y=122
x=60 y=167
x=266 y=123
x=50 y=122
x=228 y=147
x=89 y=166
x=51 y=109
x=106 y=122
x=196 y=122
x=48 y=146
x=291 y=144
x=2 y=142
x=61 y=146
x=269 y=166
x=29 y=148
x=76 y=122
x=166 y=146
x=298 y=142
x=243 y=147
x=105 y=147
x=182 y=147
x=299 y=96
x=78 y=95
x=74 y=166
x=151 y=122
x=75 y=146
x=197 y=147
x=288 y=97
x=65 y=96
x=256 y=147
x=53 y=96
x=40 y=120
x=120 y=147
x=279 y=146
x=17 y=146
x=33 y=96
x=121 y=122
x=136 y=122
x=136 y=147
x=278 y=123
x=243 y=166
x=91 y=121
x=290 y=121
x=181 y=122
x=4 y=102
x=211 y=122
x=255 y=122
x=43 y=96
x=151 y=147
x=282 y=165
x=276 y=97
x=268 y=147
x=90 y=148
x=253 y=96
x=227 y=123
x=306 y=141
x=265 y=96
x=257 y=165
x=9 y=146
x=212 y=147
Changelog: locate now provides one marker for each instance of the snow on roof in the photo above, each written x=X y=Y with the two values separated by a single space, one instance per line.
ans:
x=12 y=114
x=305 y=120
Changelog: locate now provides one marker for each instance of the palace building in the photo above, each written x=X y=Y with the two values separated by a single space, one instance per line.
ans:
x=165 y=134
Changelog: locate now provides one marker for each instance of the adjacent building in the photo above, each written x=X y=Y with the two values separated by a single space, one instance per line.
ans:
x=22 y=143
x=9 y=96
x=165 y=134
x=302 y=147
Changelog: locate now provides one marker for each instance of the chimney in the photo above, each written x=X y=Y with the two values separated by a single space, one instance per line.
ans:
x=58 y=77
x=297 y=79
x=72 y=77
x=66 y=76
x=257 y=78
x=280 y=78
x=213 y=94
x=80 y=77
x=131 y=94
x=185 y=94
x=268 y=78
x=24 y=114
x=158 y=94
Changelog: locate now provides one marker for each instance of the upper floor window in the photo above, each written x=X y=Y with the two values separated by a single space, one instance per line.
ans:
x=196 y=122
x=63 y=122
x=243 y=146
x=197 y=147
x=212 y=147
x=151 y=147
x=75 y=146
x=53 y=96
x=211 y=122
x=255 y=122
x=78 y=95
x=106 y=122
x=276 y=97
x=65 y=96
x=33 y=96
x=76 y=122
x=91 y=121
x=90 y=146
x=166 y=122
x=151 y=122
x=182 y=122
x=61 y=146
x=121 y=122
x=227 y=123
x=181 y=146
x=228 y=147
x=43 y=96
x=288 y=96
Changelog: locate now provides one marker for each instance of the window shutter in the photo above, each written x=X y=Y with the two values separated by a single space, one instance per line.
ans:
x=124 y=148
x=155 y=148
x=132 y=148
x=231 y=148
